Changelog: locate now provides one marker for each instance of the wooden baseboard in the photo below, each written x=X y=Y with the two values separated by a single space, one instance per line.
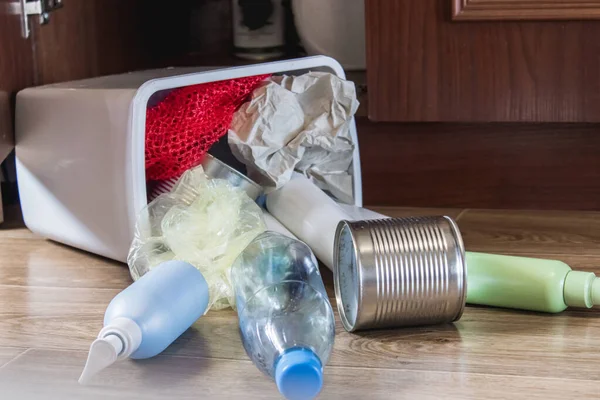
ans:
x=510 y=166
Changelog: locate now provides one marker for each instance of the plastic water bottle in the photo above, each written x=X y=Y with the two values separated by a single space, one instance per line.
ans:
x=286 y=321
x=146 y=317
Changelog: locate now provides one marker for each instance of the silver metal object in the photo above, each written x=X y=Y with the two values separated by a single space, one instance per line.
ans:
x=217 y=169
x=25 y=8
x=399 y=272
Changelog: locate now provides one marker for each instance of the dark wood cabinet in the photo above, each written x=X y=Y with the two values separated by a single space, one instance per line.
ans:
x=471 y=103
x=16 y=71
x=89 y=38
x=484 y=103
x=84 y=38
x=515 y=166
x=423 y=65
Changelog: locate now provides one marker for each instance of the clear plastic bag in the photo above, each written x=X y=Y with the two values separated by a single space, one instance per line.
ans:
x=206 y=222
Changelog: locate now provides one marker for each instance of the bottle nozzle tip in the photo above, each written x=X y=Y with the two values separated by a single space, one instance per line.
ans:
x=103 y=353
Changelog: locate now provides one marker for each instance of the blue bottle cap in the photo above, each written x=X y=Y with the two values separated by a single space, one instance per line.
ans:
x=299 y=374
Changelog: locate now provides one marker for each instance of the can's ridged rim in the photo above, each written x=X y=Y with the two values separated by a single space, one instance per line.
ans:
x=461 y=248
x=336 y=276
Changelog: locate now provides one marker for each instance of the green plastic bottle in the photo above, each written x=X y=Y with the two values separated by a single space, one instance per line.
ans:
x=528 y=283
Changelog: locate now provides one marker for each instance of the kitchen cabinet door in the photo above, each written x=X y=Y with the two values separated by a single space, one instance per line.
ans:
x=16 y=70
x=84 y=38
x=88 y=38
x=426 y=63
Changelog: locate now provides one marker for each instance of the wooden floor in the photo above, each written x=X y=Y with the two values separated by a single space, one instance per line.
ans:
x=52 y=299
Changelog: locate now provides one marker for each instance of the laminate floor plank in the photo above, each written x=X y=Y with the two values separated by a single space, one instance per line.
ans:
x=7 y=354
x=52 y=301
x=535 y=232
x=51 y=374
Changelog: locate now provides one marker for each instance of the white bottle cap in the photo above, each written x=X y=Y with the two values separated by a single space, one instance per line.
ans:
x=117 y=340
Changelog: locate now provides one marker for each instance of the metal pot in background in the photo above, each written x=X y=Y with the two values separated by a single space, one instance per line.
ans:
x=399 y=272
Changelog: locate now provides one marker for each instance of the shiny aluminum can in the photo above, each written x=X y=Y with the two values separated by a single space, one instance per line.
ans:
x=399 y=272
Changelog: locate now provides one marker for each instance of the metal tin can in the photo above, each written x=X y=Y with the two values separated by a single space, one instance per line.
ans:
x=399 y=272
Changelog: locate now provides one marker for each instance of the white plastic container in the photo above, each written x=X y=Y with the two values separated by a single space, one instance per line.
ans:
x=80 y=150
x=309 y=214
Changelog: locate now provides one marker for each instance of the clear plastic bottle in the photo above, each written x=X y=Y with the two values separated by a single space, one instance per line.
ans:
x=286 y=320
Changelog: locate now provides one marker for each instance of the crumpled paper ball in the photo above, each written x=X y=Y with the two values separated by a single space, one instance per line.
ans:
x=298 y=124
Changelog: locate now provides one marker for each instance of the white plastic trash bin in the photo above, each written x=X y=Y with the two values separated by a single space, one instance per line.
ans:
x=80 y=150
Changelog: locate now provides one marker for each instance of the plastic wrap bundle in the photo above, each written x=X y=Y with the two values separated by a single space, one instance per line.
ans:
x=205 y=222
x=188 y=121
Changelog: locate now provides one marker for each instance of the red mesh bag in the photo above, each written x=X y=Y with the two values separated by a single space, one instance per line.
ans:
x=182 y=127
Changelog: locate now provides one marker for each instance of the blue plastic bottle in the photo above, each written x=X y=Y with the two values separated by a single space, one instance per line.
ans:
x=286 y=321
x=146 y=317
